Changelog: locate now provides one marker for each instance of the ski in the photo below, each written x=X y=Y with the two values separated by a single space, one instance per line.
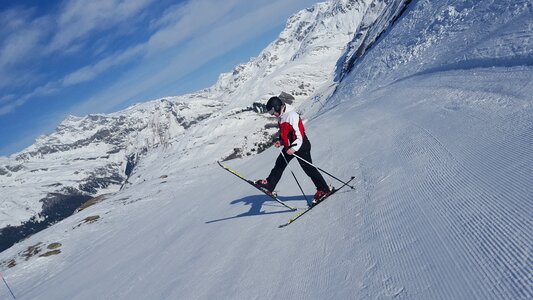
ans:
x=333 y=191
x=252 y=183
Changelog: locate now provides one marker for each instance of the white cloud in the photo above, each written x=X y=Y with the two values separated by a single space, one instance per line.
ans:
x=11 y=102
x=90 y=72
x=200 y=29
x=10 y=106
x=78 y=18
x=200 y=49
x=185 y=37
x=186 y=21
x=20 y=37
x=19 y=45
x=28 y=39
x=7 y=98
x=179 y=23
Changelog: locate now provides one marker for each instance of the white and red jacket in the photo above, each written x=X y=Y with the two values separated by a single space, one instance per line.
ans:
x=291 y=127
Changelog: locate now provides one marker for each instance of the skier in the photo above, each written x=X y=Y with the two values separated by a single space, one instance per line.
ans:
x=294 y=140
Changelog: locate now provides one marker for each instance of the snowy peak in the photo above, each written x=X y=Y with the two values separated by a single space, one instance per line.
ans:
x=380 y=16
x=147 y=125
x=458 y=35
x=301 y=58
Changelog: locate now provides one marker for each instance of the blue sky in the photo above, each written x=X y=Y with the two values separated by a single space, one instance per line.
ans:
x=94 y=56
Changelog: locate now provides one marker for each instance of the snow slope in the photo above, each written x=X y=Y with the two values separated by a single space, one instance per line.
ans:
x=439 y=134
x=90 y=156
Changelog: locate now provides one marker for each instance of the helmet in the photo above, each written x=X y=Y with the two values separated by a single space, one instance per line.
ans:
x=274 y=104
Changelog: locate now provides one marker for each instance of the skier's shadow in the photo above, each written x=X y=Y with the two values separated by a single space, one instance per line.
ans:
x=256 y=203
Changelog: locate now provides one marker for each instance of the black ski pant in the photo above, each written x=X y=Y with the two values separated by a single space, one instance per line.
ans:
x=305 y=153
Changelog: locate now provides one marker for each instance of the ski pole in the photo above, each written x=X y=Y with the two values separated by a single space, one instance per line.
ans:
x=293 y=175
x=7 y=286
x=324 y=171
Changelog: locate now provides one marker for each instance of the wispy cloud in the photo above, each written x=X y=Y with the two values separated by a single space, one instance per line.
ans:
x=28 y=40
x=92 y=71
x=79 y=18
x=177 y=24
x=21 y=34
x=186 y=35
x=214 y=41
x=185 y=21
x=12 y=102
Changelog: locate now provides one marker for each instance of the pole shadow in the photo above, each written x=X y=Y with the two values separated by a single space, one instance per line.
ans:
x=256 y=203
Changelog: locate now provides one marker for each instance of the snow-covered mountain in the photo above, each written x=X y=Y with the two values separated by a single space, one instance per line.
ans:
x=432 y=113
x=89 y=156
